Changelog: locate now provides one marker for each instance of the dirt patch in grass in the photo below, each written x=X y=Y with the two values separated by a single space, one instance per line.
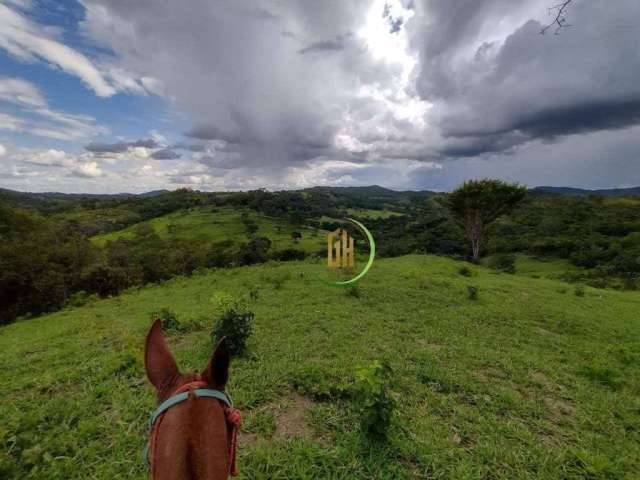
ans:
x=426 y=345
x=543 y=380
x=491 y=374
x=290 y=418
x=246 y=438
x=559 y=410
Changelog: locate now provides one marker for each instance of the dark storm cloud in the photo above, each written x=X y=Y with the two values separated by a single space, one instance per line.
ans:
x=192 y=147
x=581 y=117
x=530 y=86
x=119 y=147
x=272 y=87
x=165 y=154
x=210 y=132
x=332 y=45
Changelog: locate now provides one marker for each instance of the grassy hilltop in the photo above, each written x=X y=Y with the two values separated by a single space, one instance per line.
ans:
x=223 y=223
x=528 y=380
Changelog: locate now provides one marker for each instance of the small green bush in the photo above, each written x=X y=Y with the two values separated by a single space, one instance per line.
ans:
x=373 y=400
x=464 y=271
x=81 y=298
x=289 y=254
x=254 y=293
x=314 y=381
x=579 y=291
x=503 y=262
x=169 y=319
x=278 y=279
x=598 y=283
x=235 y=323
x=353 y=291
x=472 y=292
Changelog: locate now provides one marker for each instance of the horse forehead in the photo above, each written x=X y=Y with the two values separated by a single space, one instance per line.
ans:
x=195 y=414
x=177 y=382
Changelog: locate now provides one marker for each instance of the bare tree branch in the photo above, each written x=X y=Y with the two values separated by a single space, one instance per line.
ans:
x=560 y=21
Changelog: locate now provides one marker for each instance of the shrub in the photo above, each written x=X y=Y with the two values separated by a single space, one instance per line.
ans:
x=288 y=254
x=278 y=279
x=314 y=381
x=169 y=319
x=105 y=280
x=235 y=323
x=472 y=292
x=503 y=262
x=630 y=282
x=373 y=400
x=598 y=283
x=254 y=293
x=256 y=251
x=353 y=291
x=464 y=271
x=579 y=291
x=81 y=298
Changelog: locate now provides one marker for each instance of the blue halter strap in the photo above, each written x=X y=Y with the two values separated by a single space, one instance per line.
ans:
x=179 y=398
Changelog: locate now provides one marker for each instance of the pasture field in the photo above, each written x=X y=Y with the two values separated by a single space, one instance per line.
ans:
x=369 y=213
x=527 y=381
x=224 y=223
x=552 y=268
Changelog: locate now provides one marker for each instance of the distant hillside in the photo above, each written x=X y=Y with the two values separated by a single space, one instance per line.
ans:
x=368 y=191
x=76 y=196
x=58 y=200
x=581 y=192
x=224 y=224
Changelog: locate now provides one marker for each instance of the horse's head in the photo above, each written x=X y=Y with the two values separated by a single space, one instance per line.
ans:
x=193 y=438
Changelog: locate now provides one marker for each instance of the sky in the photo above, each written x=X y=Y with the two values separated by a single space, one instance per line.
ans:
x=108 y=96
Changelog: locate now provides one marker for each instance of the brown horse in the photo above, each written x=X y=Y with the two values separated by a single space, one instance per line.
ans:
x=194 y=439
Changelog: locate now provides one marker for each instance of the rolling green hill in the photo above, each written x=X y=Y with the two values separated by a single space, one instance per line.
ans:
x=217 y=224
x=528 y=380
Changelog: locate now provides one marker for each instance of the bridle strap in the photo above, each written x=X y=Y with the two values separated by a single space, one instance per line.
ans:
x=232 y=416
x=181 y=397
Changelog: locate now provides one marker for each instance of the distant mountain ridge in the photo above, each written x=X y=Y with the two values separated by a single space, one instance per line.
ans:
x=367 y=191
x=581 y=192
x=370 y=191
x=97 y=196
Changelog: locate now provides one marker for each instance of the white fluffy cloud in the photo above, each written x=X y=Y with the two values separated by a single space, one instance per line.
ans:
x=3 y=150
x=28 y=41
x=50 y=157
x=27 y=99
x=89 y=169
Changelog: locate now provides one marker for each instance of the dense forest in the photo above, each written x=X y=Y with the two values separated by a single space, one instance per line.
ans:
x=48 y=258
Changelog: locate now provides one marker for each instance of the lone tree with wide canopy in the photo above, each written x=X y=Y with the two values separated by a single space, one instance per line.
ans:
x=476 y=204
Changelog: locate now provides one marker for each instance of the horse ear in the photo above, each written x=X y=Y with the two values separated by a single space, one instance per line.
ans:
x=216 y=372
x=158 y=360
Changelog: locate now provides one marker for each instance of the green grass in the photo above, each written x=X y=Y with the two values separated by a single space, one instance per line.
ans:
x=552 y=268
x=524 y=382
x=225 y=223
x=368 y=213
